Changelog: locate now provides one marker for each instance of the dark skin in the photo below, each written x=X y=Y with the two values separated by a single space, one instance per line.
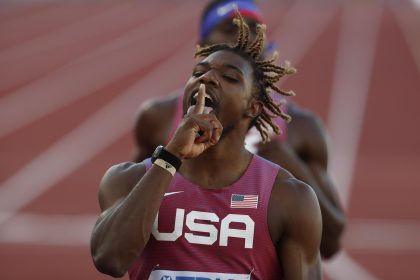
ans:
x=304 y=154
x=130 y=197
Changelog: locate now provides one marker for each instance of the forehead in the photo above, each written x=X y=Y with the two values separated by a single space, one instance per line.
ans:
x=225 y=59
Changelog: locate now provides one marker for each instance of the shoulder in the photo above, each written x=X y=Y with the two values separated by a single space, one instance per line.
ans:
x=124 y=171
x=291 y=192
x=293 y=204
x=154 y=109
x=308 y=134
x=118 y=181
x=154 y=121
x=305 y=119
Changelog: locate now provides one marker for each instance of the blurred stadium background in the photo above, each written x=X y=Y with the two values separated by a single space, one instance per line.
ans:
x=73 y=74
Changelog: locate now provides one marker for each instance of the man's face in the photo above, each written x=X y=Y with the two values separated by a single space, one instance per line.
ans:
x=227 y=32
x=229 y=86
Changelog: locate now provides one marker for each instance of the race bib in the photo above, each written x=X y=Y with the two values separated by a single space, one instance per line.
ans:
x=193 y=275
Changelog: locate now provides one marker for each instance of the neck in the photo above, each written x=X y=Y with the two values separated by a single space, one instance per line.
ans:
x=219 y=166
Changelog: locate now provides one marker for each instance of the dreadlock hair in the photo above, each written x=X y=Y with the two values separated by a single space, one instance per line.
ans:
x=266 y=74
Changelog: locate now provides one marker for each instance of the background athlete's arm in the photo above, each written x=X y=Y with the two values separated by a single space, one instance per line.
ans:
x=152 y=127
x=333 y=215
x=295 y=225
x=310 y=166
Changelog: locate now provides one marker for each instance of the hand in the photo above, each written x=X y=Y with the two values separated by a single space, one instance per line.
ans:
x=197 y=132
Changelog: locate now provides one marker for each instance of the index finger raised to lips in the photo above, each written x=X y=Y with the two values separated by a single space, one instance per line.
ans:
x=199 y=106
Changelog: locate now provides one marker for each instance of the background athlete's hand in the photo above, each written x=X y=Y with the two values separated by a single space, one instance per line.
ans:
x=197 y=132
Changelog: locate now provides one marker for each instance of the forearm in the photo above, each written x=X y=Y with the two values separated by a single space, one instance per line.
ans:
x=332 y=215
x=123 y=231
x=336 y=221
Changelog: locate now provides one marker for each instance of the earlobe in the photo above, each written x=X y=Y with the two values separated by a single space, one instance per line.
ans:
x=254 y=108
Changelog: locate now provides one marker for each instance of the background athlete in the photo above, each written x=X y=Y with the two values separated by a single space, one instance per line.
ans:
x=301 y=148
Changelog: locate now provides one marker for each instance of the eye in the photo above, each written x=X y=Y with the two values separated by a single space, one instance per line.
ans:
x=197 y=74
x=230 y=78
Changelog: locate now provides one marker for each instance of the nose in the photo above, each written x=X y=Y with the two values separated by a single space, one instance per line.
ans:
x=209 y=78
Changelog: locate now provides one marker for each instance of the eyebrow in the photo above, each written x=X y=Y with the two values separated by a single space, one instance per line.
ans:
x=227 y=65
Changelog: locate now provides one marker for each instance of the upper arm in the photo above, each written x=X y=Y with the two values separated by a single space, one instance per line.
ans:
x=313 y=147
x=117 y=183
x=301 y=227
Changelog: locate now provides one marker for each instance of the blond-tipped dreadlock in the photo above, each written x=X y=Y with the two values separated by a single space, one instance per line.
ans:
x=266 y=73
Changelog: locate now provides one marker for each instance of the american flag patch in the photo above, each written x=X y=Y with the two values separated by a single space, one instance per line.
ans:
x=244 y=201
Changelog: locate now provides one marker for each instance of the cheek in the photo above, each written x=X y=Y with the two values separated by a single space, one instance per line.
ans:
x=232 y=108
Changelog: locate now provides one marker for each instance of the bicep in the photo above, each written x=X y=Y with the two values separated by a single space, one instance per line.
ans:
x=299 y=246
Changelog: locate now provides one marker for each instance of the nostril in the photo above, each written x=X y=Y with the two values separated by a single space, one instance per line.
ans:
x=208 y=80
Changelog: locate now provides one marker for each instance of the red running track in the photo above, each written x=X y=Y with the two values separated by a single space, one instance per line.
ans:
x=72 y=76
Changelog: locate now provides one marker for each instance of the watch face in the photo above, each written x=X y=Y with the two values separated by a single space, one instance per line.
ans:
x=157 y=152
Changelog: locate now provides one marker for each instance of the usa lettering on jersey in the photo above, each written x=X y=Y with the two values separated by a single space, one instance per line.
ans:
x=218 y=230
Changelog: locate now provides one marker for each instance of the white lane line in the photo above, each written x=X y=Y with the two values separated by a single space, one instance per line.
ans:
x=416 y=3
x=92 y=72
x=367 y=235
x=302 y=27
x=44 y=20
x=84 y=142
x=350 y=89
x=64 y=35
x=383 y=235
x=409 y=22
x=354 y=63
x=58 y=230
x=343 y=267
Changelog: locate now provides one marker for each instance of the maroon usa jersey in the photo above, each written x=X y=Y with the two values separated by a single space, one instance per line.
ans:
x=213 y=234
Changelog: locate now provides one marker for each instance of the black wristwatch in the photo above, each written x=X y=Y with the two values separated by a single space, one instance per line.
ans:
x=161 y=153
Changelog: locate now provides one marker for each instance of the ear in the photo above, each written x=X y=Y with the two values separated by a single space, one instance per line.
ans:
x=254 y=108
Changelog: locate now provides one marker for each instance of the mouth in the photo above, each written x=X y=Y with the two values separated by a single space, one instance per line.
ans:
x=209 y=101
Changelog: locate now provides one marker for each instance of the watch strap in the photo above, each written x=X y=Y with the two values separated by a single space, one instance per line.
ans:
x=161 y=153
x=165 y=165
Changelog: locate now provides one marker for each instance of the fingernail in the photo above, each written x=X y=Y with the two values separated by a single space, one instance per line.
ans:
x=190 y=109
